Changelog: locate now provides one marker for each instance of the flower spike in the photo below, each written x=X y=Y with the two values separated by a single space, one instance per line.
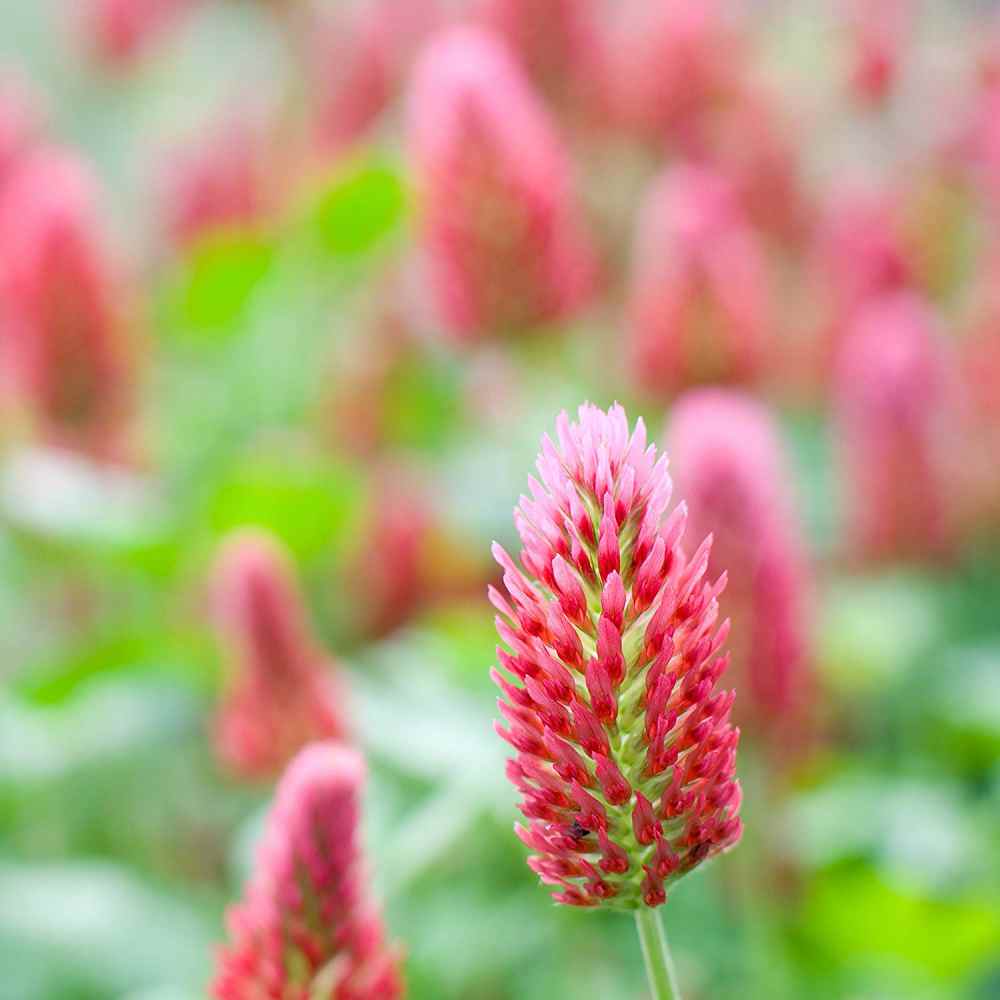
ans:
x=307 y=926
x=627 y=770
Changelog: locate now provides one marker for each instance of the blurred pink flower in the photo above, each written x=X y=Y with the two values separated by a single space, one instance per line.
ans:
x=754 y=139
x=361 y=57
x=563 y=46
x=282 y=691
x=979 y=370
x=878 y=36
x=859 y=254
x=700 y=305
x=675 y=61
x=730 y=467
x=505 y=248
x=20 y=124
x=217 y=180
x=118 y=33
x=63 y=316
x=307 y=926
x=625 y=755
x=390 y=575
x=893 y=422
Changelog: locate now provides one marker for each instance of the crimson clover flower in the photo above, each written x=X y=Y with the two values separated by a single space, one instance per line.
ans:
x=611 y=652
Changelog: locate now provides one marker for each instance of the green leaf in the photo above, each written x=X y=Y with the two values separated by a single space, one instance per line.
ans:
x=219 y=280
x=359 y=207
x=852 y=912
x=310 y=503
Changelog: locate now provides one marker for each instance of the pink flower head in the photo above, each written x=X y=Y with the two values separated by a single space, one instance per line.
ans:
x=281 y=692
x=878 y=37
x=503 y=241
x=676 y=61
x=20 y=127
x=754 y=139
x=119 y=32
x=218 y=180
x=860 y=251
x=307 y=925
x=625 y=754
x=390 y=573
x=700 y=306
x=563 y=48
x=361 y=57
x=62 y=316
x=731 y=469
x=892 y=413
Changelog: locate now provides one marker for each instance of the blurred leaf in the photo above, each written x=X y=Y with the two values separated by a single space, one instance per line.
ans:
x=360 y=206
x=219 y=278
x=856 y=916
x=423 y=404
x=85 y=918
x=311 y=503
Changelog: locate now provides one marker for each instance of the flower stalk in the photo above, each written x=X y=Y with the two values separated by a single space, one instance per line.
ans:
x=656 y=953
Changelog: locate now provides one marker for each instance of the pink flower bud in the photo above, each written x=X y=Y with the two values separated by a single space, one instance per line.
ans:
x=119 y=32
x=281 y=691
x=563 y=47
x=218 y=180
x=307 y=925
x=638 y=786
x=700 y=305
x=360 y=59
x=878 y=33
x=675 y=62
x=502 y=236
x=892 y=403
x=63 y=319
x=730 y=467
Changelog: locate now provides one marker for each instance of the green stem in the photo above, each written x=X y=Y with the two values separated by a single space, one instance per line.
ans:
x=656 y=952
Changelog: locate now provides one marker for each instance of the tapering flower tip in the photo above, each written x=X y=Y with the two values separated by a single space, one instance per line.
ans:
x=675 y=62
x=281 y=691
x=118 y=33
x=63 y=314
x=731 y=468
x=877 y=39
x=502 y=237
x=611 y=652
x=893 y=417
x=563 y=47
x=216 y=181
x=307 y=925
x=700 y=303
x=360 y=59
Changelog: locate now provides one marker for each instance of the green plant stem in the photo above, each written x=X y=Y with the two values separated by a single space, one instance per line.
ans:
x=656 y=952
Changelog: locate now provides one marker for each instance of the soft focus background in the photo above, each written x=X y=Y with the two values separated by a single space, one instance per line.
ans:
x=239 y=318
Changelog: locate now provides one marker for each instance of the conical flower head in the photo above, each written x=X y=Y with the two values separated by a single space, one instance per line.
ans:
x=281 y=692
x=63 y=315
x=502 y=233
x=307 y=926
x=612 y=649
x=563 y=47
x=731 y=468
x=217 y=180
x=700 y=301
x=894 y=418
